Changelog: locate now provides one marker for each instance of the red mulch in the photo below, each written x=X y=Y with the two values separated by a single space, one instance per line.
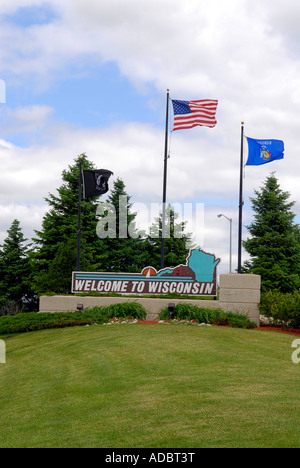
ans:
x=149 y=322
x=291 y=331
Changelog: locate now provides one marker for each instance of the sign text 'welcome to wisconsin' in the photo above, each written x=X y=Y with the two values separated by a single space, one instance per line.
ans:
x=196 y=278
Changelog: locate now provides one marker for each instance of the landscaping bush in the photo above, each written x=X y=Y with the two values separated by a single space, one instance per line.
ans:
x=282 y=308
x=9 y=307
x=33 y=321
x=126 y=309
x=210 y=316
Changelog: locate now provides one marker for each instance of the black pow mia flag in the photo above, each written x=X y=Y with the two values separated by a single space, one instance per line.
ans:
x=95 y=182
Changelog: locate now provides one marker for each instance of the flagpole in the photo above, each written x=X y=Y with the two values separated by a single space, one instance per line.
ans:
x=79 y=215
x=241 y=202
x=162 y=260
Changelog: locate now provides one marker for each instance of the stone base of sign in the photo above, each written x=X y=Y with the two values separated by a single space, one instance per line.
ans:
x=238 y=293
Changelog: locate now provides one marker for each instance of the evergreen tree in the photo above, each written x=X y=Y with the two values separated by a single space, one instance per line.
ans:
x=177 y=242
x=15 y=270
x=274 y=243
x=58 y=278
x=57 y=240
x=122 y=244
x=110 y=240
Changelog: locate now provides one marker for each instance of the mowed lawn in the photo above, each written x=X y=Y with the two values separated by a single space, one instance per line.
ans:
x=149 y=386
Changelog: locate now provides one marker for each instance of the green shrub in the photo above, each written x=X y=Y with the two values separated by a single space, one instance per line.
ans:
x=9 y=307
x=295 y=321
x=126 y=309
x=185 y=311
x=33 y=321
x=282 y=308
x=240 y=321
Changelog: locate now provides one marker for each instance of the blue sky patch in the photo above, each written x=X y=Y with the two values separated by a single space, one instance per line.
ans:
x=93 y=97
x=31 y=16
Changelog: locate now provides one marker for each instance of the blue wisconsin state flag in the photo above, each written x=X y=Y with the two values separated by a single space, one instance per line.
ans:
x=264 y=151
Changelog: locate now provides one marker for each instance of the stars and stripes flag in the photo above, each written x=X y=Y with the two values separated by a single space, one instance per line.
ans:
x=189 y=114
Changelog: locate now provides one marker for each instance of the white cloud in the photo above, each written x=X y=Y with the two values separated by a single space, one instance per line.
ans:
x=197 y=173
x=189 y=46
x=27 y=119
x=242 y=52
x=30 y=217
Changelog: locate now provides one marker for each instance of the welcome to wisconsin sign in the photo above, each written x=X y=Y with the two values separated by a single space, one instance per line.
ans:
x=197 y=278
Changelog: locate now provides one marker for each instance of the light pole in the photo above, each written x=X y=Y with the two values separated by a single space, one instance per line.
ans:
x=230 y=253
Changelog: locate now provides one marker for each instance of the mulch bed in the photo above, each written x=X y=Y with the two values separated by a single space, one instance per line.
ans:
x=150 y=322
x=291 y=331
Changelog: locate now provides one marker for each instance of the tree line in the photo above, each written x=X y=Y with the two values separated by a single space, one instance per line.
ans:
x=45 y=263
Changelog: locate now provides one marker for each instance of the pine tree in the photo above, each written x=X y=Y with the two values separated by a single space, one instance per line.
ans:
x=274 y=243
x=110 y=240
x=177 y=242
x=58 y=237
x=15 y=270
x=122 y=244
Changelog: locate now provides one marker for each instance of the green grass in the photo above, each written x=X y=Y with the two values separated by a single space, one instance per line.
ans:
x=153 y=386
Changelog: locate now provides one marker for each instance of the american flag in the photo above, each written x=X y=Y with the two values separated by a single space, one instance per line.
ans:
x=189 y=114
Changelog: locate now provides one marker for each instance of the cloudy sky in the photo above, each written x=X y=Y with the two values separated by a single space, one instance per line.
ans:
x=91 y=76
